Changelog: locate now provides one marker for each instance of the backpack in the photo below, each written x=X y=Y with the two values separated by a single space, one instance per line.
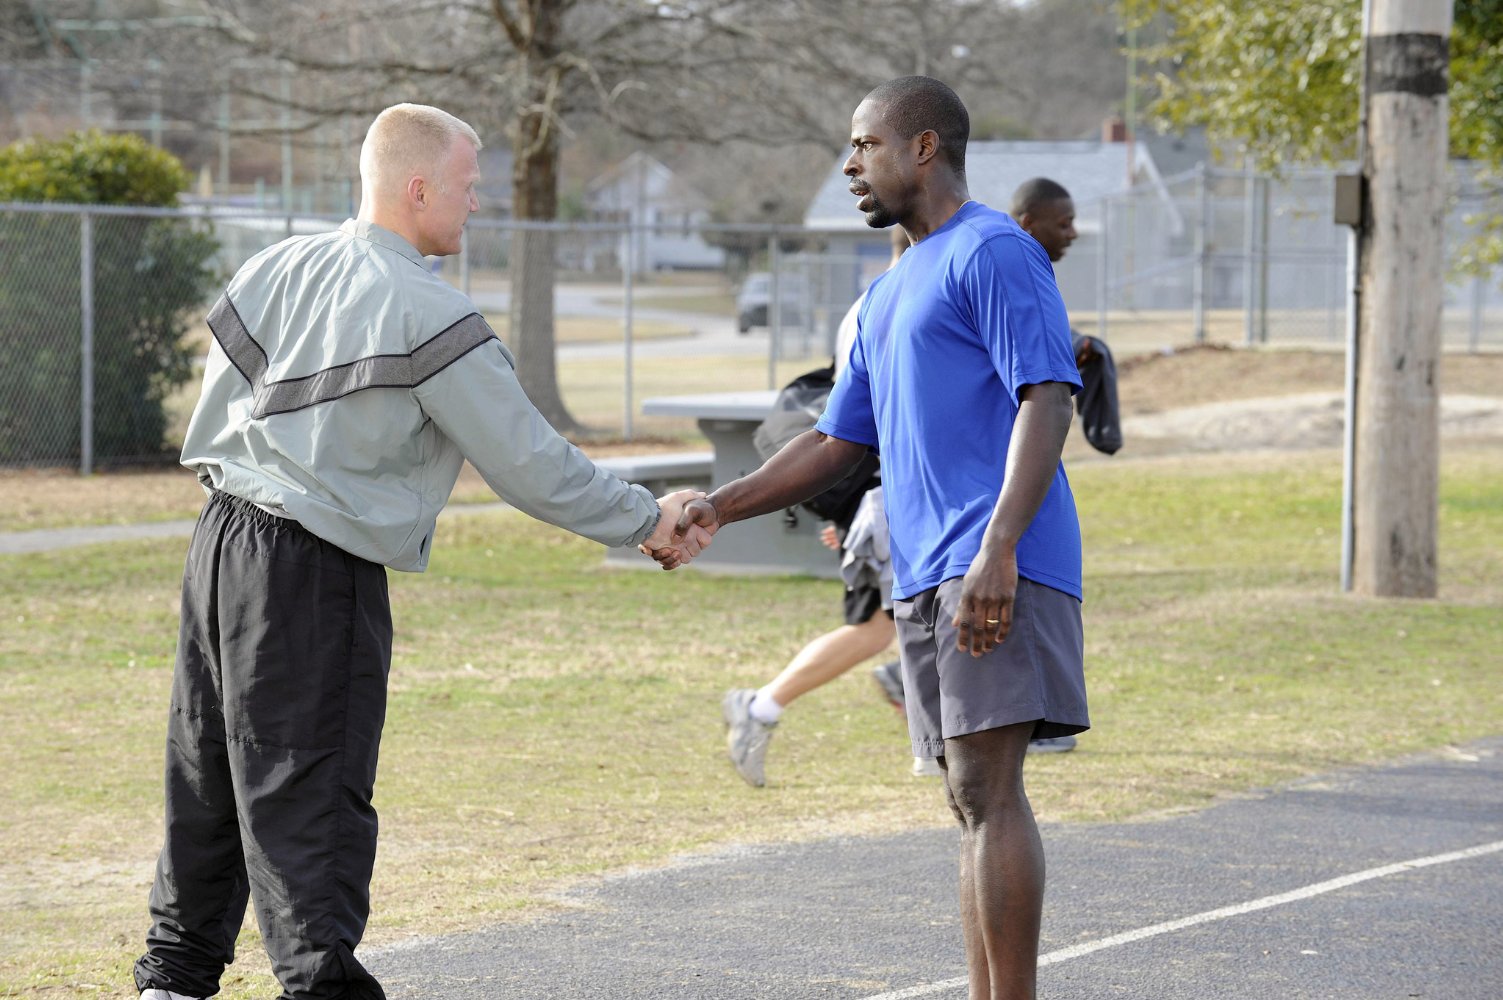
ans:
x=795 y=410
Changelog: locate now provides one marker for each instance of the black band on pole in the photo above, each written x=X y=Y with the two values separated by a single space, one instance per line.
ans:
x=1408 y=64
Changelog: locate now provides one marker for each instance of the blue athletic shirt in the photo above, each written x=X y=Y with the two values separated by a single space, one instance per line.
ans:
x=945 y=341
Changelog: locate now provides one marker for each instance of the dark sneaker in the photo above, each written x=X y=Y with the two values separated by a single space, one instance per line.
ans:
x=889 y=677
x=1058 y=744
x=746 y=738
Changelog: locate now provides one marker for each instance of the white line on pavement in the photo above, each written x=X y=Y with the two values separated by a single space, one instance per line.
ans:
x=1293 y=896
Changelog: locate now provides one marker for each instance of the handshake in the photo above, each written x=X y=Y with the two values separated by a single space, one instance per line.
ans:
x=685 y=526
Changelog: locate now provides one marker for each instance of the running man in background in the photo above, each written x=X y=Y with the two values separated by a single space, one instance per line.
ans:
x=1046 y=212
x=752 y=714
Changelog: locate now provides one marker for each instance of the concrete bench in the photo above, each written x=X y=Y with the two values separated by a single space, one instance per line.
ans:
x=665 y=472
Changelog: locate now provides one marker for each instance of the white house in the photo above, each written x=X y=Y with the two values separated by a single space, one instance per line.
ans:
x=663 y=213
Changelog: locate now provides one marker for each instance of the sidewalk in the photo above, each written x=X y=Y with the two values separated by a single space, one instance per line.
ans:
x=53 y=539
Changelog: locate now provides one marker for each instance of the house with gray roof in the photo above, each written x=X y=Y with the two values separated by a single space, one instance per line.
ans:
x=1090 y=169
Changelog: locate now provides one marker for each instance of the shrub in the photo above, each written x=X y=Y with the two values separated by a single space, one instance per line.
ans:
x=149 y=274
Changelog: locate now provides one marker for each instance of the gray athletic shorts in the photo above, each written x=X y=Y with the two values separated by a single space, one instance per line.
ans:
x=1037 y=674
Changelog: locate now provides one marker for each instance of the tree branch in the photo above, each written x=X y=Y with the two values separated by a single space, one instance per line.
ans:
x=509 y=25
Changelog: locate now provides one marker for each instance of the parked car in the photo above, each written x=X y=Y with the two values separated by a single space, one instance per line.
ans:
x=754 y=301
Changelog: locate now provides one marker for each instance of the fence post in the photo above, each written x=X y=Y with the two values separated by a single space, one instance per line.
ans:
x=1265 y=211
x=774 y=310
x=1103 y=269
x=1198 y=292
x=1349 y=407
x=286 y=139
x=86 y=344
x=1249 y=252
x=464 y=261
x=1479 y=302
x=224 y=144
x=628 y=290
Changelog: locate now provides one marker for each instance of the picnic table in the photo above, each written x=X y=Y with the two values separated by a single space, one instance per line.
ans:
x=772 y=544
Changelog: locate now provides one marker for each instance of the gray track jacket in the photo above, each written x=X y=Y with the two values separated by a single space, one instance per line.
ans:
x=346 y=386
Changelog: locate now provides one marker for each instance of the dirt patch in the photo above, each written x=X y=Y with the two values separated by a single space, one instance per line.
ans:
x=1302 y=420
x=1191 y=376
x=1217 y=398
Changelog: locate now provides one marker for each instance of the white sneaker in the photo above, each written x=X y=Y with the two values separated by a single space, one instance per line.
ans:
x=927 y=767
x=746 y=738
x=156 y=994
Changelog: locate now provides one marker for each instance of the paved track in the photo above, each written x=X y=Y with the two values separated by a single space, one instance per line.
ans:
x=875 y=917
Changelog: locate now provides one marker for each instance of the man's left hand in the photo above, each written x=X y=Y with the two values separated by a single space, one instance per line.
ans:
x=984 y=616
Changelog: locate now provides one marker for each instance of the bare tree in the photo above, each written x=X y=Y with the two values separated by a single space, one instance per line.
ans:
x=535 y=68
x=763 y=75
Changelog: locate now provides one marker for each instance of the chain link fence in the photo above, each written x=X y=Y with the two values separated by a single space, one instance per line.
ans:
x=41 y=326
x=102 y=309
x=1231 y=257
x=94 y=308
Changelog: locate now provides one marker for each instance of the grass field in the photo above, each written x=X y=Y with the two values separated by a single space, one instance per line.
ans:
x=594 y=329
x=705 y=301
x=551 y=719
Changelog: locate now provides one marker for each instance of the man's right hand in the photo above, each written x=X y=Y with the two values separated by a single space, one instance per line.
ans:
x=695 y=526
x=670 y=546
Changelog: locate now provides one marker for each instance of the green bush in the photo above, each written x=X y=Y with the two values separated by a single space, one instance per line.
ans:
x=149 y=275
x=91 y=168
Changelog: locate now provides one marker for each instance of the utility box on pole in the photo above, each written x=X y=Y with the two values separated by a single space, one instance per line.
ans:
x=1402 y=247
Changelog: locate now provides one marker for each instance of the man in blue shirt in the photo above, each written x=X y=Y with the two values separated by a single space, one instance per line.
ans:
x=961 y=376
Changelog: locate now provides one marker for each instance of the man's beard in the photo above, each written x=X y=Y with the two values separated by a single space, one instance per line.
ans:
x=879 y=217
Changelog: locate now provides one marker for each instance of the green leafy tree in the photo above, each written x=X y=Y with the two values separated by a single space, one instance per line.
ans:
x=148 y=274
x=1281 y=79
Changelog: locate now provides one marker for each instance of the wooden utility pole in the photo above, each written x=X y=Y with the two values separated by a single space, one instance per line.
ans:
x=1402 y=244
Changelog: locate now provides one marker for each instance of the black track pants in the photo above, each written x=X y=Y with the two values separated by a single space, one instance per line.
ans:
x=278 y=698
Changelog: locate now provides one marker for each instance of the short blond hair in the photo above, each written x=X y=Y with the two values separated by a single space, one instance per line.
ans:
x=408 y=139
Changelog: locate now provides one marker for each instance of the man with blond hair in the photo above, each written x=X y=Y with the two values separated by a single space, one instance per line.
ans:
x=344 y=388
